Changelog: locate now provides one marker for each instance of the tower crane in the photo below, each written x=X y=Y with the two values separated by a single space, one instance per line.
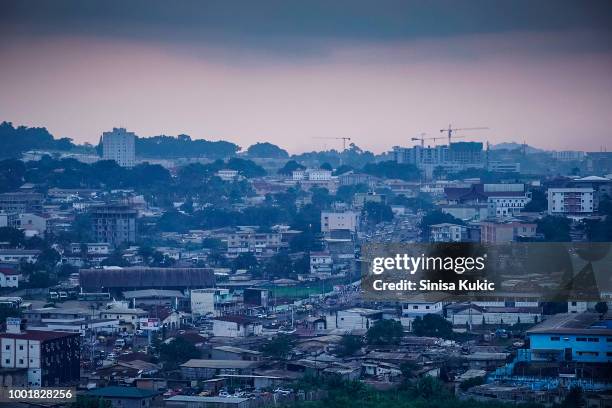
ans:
x=423 y=139
x=344 y=139
x=450 y=131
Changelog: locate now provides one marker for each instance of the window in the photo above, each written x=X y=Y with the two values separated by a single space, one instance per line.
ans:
x=7 y=361
x=554 y=338
x=593 y=339
x=415 y=307
x=8 y=347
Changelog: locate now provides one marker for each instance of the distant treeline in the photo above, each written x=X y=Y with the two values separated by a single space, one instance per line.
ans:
x=183 y=146
x=16 y=140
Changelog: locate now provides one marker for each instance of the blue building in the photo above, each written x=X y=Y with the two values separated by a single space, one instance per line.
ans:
x=585 y=338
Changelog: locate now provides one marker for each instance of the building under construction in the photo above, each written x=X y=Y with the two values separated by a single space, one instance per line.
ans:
x=114 y=223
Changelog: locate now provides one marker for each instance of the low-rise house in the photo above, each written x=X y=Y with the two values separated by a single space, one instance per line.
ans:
x=193 y=401
x=9 y=278
x=235 y=353
x=357 y=318
x=447 y=232
x=321 y=264
x=32 y=224
x=196 y=369
x=128 y=318
x=15 y=256
x=236 y=326
x=125 y=397
x=580 y=337
x=492 y=233
x=485 y=361
x=468 y=313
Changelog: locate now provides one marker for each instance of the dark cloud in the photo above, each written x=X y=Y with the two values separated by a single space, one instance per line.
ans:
x=282 y=24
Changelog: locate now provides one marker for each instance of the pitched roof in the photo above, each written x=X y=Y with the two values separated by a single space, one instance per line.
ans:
x=40 y=335
x=122 y=392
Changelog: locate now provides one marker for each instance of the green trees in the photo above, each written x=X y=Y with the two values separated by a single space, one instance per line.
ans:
x=377 y=212
x=393 y=170
x=278 y=347
x=432 y=325
x=385 y=332
x=16 y=140
x=266 y=150
x=601 y=308
x=290 y=167
x=349 y=345
x=176 y=352
x=436 y=217
x=538 y=202
x=555 y=229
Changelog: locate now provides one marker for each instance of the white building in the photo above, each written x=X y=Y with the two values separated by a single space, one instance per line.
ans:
x=424 y=303
x=9 y=278
x=311 y=175
x=568 y=155
x=356 y=318
x=571 y=202
x=577 y=306
x=318 y=175
x=9 y=219
x=505 y=200
x=203 y=301
x=472 y=314
x=321 y=263
x=32 y=224
x=333 y=221
x=227 y=174
x=129 y=317
x=19 y=255
x=254 y=242
x=447 y=232
x=236 y=326
x=120 y=146
x=92 y=248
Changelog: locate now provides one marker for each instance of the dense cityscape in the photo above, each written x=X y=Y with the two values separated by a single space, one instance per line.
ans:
x=176 y=272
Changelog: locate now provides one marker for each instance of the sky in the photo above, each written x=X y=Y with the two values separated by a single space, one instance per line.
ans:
x=301 y=73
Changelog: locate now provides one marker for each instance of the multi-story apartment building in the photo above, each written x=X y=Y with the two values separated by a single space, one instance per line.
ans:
x=503 y=200
x=571 y=202
x=19 y=255
x=568 y=155
x=20 y=203
x=114 y=223
x=321 y=263
x=50 y=358
x=458 y=156
x=120 y=146
x=254 y=242
x=492 y=233
x=311 y=175
x=333 y=221
x=447 y=232
x=599 y=162
x=9 y=219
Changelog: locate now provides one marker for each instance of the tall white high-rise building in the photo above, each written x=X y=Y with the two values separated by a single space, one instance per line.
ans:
x=119 y=145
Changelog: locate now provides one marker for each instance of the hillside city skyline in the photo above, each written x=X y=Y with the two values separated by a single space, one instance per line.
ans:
x=331 y=144
x=287 y=73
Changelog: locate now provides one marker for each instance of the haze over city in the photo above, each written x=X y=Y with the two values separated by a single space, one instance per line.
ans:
x=287 y=74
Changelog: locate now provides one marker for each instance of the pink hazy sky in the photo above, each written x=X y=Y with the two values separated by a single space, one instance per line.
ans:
x=522 y=85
